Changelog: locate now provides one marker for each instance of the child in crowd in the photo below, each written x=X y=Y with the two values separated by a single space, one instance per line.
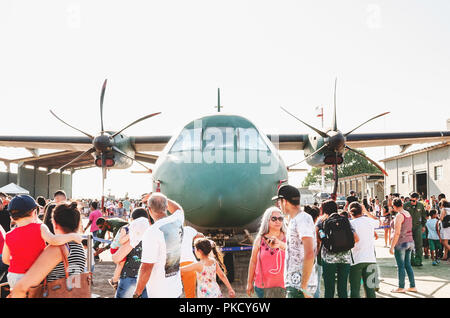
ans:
x=120 y=239
x=25 y=243
x=433 y=236
x=207 y=268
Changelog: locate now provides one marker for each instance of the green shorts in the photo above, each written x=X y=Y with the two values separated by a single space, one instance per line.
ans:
x=434 y=245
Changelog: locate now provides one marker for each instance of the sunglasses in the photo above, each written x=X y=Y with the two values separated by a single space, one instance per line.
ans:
x=413 y=201
x=274 y=218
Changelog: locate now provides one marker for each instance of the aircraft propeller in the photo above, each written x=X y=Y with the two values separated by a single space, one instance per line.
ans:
x=335 y=142
x=103 y=143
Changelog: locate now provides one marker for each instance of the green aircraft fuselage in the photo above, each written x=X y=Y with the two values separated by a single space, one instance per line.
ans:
x=223 y=172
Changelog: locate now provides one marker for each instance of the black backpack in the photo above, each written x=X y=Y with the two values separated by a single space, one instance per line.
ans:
x=338 y=234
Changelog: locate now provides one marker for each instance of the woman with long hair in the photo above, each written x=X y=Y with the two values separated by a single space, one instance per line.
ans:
x=266 y=268
x=402 y=247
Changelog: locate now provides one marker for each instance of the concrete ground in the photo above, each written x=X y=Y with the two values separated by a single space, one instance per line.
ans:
x=431 y=281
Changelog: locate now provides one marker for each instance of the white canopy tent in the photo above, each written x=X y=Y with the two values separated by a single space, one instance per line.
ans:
x=14 y=189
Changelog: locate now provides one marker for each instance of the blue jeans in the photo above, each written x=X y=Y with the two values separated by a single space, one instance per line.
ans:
x=402 y=255
x=259 y=292
x=126 y=288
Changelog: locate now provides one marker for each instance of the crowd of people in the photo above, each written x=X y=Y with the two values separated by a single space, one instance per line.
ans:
x=295 y=252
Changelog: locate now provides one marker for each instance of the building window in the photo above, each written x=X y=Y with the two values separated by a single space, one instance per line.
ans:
x=438 y=172
x=392 y=188
x=404 y=177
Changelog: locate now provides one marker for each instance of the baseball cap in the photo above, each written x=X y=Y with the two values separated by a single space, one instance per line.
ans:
x=22 y=203
x=289 y=193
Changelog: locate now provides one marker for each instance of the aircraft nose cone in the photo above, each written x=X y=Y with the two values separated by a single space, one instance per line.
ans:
x=102 y=143
x=337 y=141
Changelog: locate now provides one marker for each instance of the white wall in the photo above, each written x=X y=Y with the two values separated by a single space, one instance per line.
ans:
x=418 y=162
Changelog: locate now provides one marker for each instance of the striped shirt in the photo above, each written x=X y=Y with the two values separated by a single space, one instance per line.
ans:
x=77 y=263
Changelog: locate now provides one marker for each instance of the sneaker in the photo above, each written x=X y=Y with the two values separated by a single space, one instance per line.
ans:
x=438 y=261
x=434 y=263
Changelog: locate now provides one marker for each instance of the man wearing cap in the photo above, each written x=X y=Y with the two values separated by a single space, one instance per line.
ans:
x=300 y=277
x=419 y=219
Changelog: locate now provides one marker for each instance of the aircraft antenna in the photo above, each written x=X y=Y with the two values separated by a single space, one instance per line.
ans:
x=218 y=101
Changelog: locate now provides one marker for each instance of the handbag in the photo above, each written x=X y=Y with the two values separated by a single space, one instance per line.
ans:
x=74 y=286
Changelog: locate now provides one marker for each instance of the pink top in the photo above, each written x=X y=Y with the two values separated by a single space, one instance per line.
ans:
x=405 y=231
x=269 y=270
x=25 y=244
x=93 y=216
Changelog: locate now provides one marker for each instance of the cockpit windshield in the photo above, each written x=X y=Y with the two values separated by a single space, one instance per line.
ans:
x=219 y=138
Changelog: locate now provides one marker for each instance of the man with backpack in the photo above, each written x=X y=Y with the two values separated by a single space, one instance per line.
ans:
x=300 y=276
x=337 y=239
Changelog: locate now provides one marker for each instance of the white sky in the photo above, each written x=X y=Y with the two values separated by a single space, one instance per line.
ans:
x=171 y=56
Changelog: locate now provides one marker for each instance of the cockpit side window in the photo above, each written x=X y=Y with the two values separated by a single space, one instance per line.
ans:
x=250 y=139
x=188 y=140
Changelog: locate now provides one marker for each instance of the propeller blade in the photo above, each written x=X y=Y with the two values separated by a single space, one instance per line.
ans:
x=124 y=154
x=310 y=155
x=136 y=171
x=71 y=125
x=297 y=170
x=371 y=161
x=321 y=133
x=365 y=123
x=334 y=124
x=135 y=122
x=102 y=96
x=75 y=159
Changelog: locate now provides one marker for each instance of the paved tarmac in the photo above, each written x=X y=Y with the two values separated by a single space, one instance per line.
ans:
x=431 y=281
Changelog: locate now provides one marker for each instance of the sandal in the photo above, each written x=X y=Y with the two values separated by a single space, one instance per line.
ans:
x=412 y=290
x=113 y=284
x=398 y=290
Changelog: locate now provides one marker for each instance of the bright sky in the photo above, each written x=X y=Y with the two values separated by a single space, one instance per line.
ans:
x=171 y=56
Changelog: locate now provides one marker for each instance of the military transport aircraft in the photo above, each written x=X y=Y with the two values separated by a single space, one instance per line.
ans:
x=221 y=168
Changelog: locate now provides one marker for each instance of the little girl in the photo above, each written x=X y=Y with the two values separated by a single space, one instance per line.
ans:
x=206 y=270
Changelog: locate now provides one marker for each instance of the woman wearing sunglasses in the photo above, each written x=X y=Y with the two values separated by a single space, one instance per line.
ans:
x=266 y=268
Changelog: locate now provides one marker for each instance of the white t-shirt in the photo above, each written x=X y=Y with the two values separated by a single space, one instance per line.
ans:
x=300 y=226
x=187 y=254
x=161 y=246
x=364 y=249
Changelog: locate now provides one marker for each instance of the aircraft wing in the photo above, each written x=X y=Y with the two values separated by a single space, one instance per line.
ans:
x=141 y=143
x=47 y=142
x=144 y=157
x=150 y=143
x=288 y=142
x=401 y=138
